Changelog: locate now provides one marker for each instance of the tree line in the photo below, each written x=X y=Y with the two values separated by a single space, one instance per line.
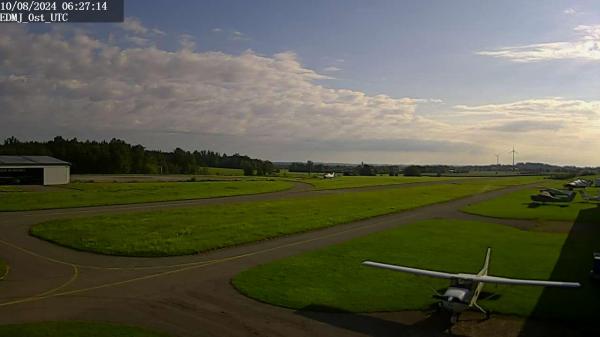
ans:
x=119 y=157
x=347 y=170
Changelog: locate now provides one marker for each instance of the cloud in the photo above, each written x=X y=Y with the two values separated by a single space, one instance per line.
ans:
x=540 y=127
x=331 y=69
x=586 y=47
x=570 y=11
x=134 y=25
x=187 y=42
x=527 y=125
x=554 y=107
x=72 y=79
x=138 y=41
x=137 y=34
x=69 y=82
x=396 y=145
x=216 y=30
x=238 y=36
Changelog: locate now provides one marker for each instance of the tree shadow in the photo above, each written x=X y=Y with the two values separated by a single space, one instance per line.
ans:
x=434 y=324
x=576 y=309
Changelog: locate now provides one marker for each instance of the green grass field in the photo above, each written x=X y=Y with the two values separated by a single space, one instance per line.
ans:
x=74 y=329
x=287 y=174
x=95 y=194
x=191 y=230
x=220 y=171
x=479 y=174
x=518 y=205
x=360 y=181
x=4 y=188
x=334 y=279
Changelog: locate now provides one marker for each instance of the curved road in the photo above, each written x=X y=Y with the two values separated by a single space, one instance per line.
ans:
x=192 y=295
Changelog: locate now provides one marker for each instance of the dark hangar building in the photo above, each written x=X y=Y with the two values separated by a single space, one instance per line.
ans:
x=33 y=170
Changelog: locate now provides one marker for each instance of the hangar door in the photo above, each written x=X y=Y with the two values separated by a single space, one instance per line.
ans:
x=21 y=176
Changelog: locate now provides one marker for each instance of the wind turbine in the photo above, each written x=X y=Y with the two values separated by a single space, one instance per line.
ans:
x=497 y=159
x=513 y=156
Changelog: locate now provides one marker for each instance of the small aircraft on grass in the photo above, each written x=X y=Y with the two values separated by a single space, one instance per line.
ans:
x=588 y=197
x=329 y=175
x=465 y=288
x=579 y=183
x=553 y=195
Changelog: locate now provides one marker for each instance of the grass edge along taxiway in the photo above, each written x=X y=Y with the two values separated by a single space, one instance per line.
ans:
x=185 y=231
x=333 y=279
x=102 y=194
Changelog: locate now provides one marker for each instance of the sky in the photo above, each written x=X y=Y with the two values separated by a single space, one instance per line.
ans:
x=390 y=82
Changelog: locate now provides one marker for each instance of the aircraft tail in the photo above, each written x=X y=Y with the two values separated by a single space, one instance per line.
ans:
x=486 y=263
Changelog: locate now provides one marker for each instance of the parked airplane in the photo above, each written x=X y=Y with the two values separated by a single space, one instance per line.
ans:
x=579 y=183
x=465 y=288
x=553 y=195
x=588 y=197
x=329 y=175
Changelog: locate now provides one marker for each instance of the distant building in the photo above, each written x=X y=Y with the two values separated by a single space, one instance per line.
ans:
x=33 y=170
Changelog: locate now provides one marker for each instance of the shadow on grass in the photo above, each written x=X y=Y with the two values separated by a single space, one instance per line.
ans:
x=577 y=309
x=543 y=204
x=435 y=324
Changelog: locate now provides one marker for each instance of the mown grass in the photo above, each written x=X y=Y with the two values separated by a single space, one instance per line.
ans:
x=360 y=181
x=518 y=205
x=4 y=188
x=287 y=174
x=220 y=171
x=74 y=329
x=334 y=278
x=95 y=194
x=191 y=230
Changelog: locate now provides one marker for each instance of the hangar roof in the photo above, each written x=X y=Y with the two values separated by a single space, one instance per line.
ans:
x=30 y=161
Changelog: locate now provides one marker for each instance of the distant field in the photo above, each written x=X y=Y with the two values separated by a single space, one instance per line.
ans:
x=219 y=171
x=74 y=329
x=135 y=178
x=191 y=230
x=518 y=205
x=333 y=279
x=479 y=174
x=285 y=173
x=94 y=194
x=361 y=181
